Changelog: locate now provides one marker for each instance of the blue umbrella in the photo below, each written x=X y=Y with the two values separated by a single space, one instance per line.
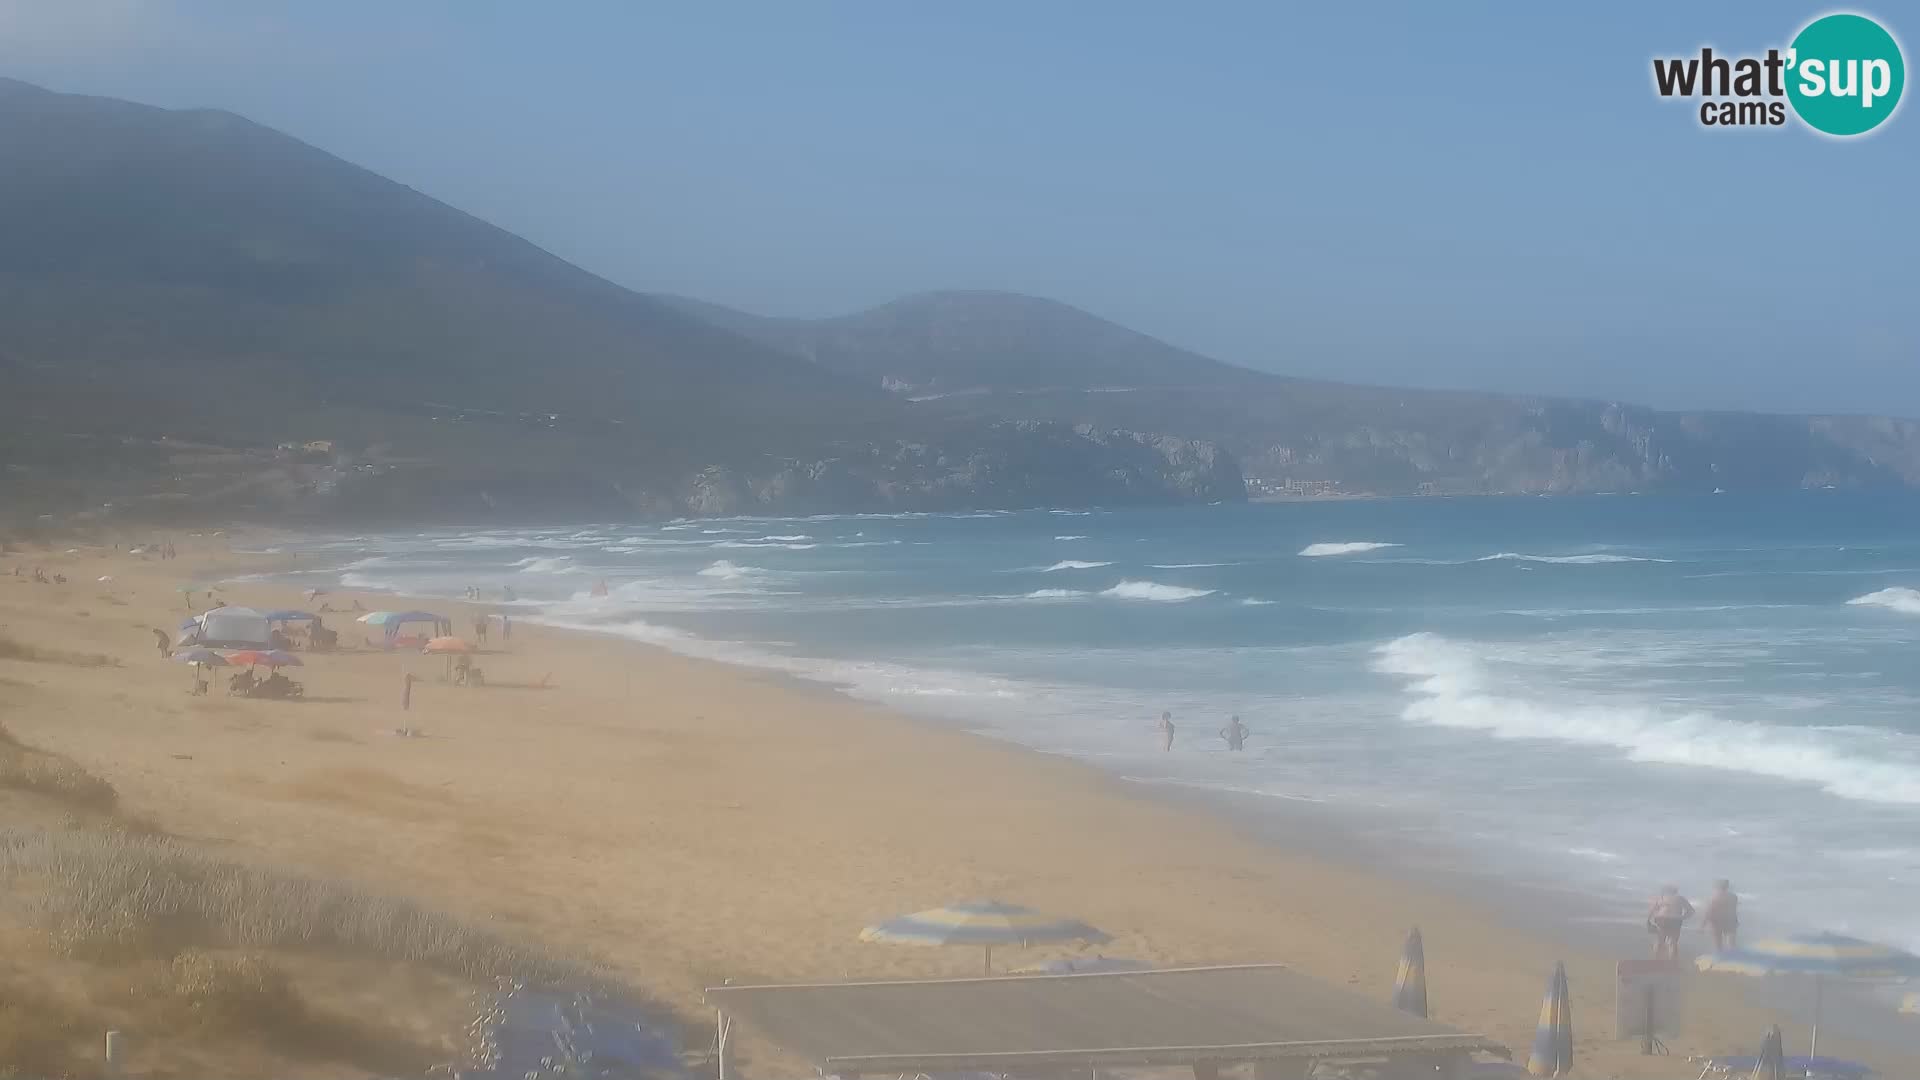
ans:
x=1553 y=1037
x=1410 y=983
x=290 y=615
x=1819 y=955
x=980 y=922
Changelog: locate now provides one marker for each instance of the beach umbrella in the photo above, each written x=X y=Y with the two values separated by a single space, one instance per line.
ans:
x=287 y=615
x=1410 y=983
x=1822 y=956
x=1553 y=1038
x=201 y=656
x=1772 y=1062
x=980 y=922
x=1084 y=965
x=447 y=645
x=190 y=622
x=281 y=658
x=377 y=618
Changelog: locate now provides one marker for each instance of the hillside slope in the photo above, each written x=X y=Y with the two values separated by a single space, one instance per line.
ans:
x=195 y=277
x=1009 y=355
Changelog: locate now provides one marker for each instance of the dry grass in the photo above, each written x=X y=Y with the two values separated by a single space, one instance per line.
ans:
x=120 y=897
x=25 y=768
x=14 y=649
x=212 y=996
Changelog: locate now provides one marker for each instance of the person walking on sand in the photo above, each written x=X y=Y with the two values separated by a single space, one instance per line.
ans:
x=1165 y=728
x=480 y=629
x=1236 y=735
x=165 y=643
x=1722 y=917
x=1666 y=916
x=406 y=693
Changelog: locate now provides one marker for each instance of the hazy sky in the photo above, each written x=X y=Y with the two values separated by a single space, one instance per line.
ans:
x=1480 y=195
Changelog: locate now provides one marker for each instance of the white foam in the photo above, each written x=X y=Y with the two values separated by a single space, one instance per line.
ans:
x=1897 y=598
x=764 y=544
x=1153 y=590
x=1255 y=602
x=1069 y=538
x=1054 y=594
x=558 y=564
x=727 y=571
x=1347 y=547
x=1566 y=560
x=1073 y=564
x=1452 y=689
x=1190 y=565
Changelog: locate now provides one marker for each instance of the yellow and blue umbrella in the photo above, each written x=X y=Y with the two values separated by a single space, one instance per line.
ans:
x=1553 y=1039
x=1822 y=956
x=980 y=922
x=1410 y=982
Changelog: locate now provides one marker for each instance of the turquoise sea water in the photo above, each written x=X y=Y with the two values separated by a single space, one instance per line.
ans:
x=1604 y=692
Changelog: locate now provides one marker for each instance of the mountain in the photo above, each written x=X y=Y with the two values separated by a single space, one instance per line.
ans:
x=183 y=291
x=1003 y=354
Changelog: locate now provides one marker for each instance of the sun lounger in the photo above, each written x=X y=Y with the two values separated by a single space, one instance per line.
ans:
x=1814 y=1068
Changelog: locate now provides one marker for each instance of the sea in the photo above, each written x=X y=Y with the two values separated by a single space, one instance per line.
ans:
x=1596 y=695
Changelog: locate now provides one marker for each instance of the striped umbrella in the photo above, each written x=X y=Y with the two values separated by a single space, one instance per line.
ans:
x=1410 y=983
x=980 y=922
x=1772 y=1062
x=1819 y=955
x=1553 y=1038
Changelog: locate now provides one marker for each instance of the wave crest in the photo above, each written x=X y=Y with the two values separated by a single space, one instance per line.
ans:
x=1073 y=564
x=727 y=571
x=1897 y=598
x=1452 y=690
x=1566 y=560
x=1153 y=590
x=1345 y=547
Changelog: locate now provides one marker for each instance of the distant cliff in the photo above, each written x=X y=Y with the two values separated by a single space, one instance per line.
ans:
x=1002 y=354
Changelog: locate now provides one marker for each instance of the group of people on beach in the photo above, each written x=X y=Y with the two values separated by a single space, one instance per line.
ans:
x=1234 y=734
x=1667 y=915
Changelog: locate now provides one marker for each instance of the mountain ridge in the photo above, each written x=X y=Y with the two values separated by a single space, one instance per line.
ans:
x=190 y=278
x=1305 y=433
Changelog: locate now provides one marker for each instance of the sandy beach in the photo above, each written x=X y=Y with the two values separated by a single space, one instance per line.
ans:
x=684 y=823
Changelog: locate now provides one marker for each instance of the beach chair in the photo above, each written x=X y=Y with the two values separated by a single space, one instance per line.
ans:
x=1813 y=1068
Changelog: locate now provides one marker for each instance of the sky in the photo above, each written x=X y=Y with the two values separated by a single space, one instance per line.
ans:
x=1479 y=195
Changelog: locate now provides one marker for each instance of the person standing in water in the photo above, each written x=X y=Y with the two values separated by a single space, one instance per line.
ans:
x=1666 y=916
x=1166 y=732
x=1722 y=918
x=1236 y=735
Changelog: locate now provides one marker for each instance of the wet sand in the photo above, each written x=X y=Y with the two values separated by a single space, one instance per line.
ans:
x=686 y=822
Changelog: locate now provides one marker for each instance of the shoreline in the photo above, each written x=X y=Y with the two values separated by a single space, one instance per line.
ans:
x=722 y=777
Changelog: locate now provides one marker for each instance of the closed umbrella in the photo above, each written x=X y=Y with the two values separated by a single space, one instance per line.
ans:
x=1553 y=1038
x=1822 y=956
x=1410 y=982
x=1772 y=1062
x=980 y=922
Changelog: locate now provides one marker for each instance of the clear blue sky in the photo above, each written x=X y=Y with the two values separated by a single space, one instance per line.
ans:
x=1473 y=195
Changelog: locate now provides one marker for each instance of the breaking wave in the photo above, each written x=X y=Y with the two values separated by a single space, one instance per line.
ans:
x=1054 y=594
x=1073 y=564
x=1069 y=538
x=727 y=571
x=556 y=564
x=1898 y=598
x=1153 y=590
x=1567 y=560
x=1349 y=547
x=1452 y=689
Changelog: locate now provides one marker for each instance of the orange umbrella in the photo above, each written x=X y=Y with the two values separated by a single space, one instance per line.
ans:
x=447 y=645
x=248 y=657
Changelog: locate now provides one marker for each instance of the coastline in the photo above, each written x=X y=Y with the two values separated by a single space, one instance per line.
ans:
x=644 y=827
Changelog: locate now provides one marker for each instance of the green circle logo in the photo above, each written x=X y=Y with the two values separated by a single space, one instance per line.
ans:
x=1845 y=74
